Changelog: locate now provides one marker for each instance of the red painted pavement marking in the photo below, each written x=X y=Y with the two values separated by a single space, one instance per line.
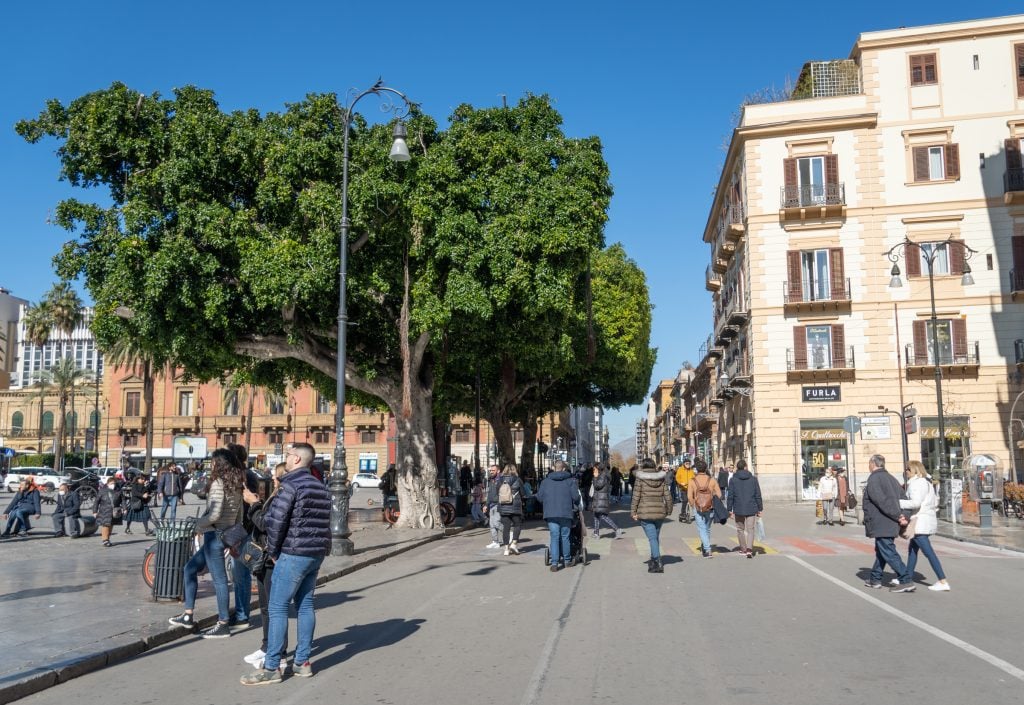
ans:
x=860 y=546
x=808 y=546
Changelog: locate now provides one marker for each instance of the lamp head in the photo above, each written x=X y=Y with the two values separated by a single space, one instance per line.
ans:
x=895 y=282
x=399 y=149
x=967 y=279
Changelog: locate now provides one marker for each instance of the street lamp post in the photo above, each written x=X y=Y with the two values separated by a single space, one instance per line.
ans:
x=928 y=256
x=1009 y=434
x=338 y=485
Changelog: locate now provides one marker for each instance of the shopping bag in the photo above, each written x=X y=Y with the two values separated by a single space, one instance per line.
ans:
x=759 y=529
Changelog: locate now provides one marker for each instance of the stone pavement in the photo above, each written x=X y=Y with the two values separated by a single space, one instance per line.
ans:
x=70 y=606
x=1006 y=533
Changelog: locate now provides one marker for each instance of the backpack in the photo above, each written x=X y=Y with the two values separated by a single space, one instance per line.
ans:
x=703 y=497
x=505 y=493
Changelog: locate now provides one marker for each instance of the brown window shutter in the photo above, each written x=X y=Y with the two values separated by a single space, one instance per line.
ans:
x=799 y=348
x=1018 y=253
x=920 y=155
x=831 y=169
x=838 y=346
x=920 y=343
x=1019 y=53
x=838 y=276
x=959 y=326
x=957 y=257
x=952 y=161
x=796 y=286
x=916 y=70
x=930 y=63
x=912 y=256
x=789 y=171
x=1012 y=148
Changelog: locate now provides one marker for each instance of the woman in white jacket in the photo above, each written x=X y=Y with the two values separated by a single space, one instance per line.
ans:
x=922 y=498
x=827 y=494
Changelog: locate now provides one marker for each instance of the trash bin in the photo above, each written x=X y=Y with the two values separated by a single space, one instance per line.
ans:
x=461 y=505
x=174 y=543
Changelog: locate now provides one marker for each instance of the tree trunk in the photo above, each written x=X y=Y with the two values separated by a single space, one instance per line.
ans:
x=248 y=420
x=418 y=497
x=501 y=427
x=58 y=458
x=527 y=467
x=147 y=398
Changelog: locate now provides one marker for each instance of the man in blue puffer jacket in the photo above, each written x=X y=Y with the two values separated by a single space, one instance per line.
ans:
x=298 y=527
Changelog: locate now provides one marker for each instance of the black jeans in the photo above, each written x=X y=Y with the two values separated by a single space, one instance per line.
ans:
x=513 y=522
x=263 y=591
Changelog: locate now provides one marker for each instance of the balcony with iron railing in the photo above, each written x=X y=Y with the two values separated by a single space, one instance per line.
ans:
x=1016 y=283
x=819 y=363
x=733 y=308
x=23 y=432
x=733 y=224
x=957 y=358
x=813 y=196
x=800 y=299
x=712 y=279
x=1013 y=186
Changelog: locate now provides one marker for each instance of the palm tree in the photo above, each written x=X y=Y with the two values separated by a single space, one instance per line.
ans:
x=38 y=323
x=65 y=307
x=128 y=353
x=42 y=389
x=64 y=375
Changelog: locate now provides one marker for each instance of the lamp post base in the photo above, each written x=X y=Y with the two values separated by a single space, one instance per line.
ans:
x=342 y=547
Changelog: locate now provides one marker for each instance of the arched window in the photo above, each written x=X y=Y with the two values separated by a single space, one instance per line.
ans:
x=71 y=420
x=17 y=423
x=94 y=419
x=47 y=422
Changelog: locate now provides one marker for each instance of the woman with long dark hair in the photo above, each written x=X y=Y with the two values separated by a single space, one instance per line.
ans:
x=512 y=511
x=224 y=509
x=138 y=509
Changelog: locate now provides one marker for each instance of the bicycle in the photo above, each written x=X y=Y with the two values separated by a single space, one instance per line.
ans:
x=392 y=511
x=149 y=564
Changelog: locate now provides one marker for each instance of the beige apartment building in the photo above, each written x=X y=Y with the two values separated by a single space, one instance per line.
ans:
x=905 y=154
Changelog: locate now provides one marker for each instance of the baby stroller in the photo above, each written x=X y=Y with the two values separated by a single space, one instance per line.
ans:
x=577 y=547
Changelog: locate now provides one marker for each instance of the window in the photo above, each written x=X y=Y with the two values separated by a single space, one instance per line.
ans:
x=231 y=404
x=71 y=421
x=811 y=181
x=819 y=347
x=816 y=275
x=368 y=437
x=47 y=422
x=1018 y=56
x=185 y=403
x=923 y=71
x=940 y=162
x=321 y=437
x=132 y=403
x=274 y=437
x=130 y=439
x=939 y=253
x=227 y=438
x=276 y=405
x=17 y=422
x=463 y=435
x=952 y=343
x=945 y=341
x=323 y=404
x=94 y=419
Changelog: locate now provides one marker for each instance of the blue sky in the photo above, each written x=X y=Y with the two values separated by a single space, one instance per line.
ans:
x=656 y=81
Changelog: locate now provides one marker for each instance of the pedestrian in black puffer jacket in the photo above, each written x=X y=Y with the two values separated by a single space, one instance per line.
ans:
x=298 y=521
x=601 y=501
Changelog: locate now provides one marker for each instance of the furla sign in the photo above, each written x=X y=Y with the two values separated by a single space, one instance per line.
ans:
x=820 y=394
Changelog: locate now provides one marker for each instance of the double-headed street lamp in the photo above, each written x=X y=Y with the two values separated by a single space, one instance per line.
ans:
x=928 y=253
x=338 y=482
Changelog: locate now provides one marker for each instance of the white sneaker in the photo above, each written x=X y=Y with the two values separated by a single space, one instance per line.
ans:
x=513 y=548
x=506 y=550
x=894 y=581
x=939 y=587
x=493 y=544
x=254 y=658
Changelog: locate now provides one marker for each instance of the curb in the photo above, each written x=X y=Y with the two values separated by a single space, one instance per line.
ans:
x=980 y=541
x=121 y=647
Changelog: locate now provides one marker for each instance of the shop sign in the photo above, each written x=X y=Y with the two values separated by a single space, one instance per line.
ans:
x=875 y=428
x=822 y=434
x=820 y=394
x=955 y=432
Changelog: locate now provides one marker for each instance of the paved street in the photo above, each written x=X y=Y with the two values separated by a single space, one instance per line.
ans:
x=794 y=625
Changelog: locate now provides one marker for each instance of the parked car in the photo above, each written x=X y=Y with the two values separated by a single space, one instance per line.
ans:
x=44 y=477
x=365 y=479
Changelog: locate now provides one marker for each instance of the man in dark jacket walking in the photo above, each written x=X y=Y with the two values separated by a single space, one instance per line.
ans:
x=298 y=528
x=882 y=521
x=745 y=504
x=561 y=499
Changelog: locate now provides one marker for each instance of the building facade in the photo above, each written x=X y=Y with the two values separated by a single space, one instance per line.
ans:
x=10 y=311
x=906 y=153
x=32 y=360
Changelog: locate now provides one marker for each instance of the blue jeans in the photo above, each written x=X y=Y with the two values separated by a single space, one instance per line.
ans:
x=704 y=520
x=652 y=528
x=886 y=554
x=171 y=502
x=558 y=528
x=18 y=521
x=294 y=581
x=243 y=589
x=924 y=544
x=212 y=557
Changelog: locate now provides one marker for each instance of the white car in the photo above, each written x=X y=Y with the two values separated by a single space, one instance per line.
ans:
x=365 y=479
x=42 y=476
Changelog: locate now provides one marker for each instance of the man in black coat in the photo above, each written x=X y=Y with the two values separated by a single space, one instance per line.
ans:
x=882 y=521
x=68 y=507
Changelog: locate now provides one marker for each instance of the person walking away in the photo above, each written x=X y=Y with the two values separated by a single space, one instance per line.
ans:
x=683 y=476
x=586 y=484
x=494 y=516
x=745 y=506
x=882 y=521
x=25 y=503
x=616 y=476
x=827 y=488
x=138 y=508
x=921 y=498
x=298 y=526
x=842 y=494
x=107 y=498
x=560 y=499
x=169 y=489
x=701 y=495
x=465 y=477
x=223 y=510
x=631 y=481
x=652 y=502
x=723 y=481
x=601 y=503
x=510 y=506
x=69 y=506
x=256 y=510
x=478 y=500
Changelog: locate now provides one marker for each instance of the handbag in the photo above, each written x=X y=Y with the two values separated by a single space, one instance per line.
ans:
x=851 y=500
x=233 y=537
x=253 y=555
x=908 y=532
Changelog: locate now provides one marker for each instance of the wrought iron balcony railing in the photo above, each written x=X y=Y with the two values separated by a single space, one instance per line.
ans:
x=1014 y=180
x=965 y=353
x=838 y=290
x=813 y=195
x=821 y=358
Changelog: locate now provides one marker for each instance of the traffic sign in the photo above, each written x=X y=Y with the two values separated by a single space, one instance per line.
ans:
x=851 y=424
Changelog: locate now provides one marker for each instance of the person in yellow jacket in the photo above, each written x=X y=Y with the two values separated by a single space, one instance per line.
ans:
x=683 y=476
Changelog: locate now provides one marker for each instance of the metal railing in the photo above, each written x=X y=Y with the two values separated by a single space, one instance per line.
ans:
x=25 y=432
x=811 y=195
x=827 y=79
x=820 y=358
x=967 y=353
x=1013 y=180
x=711 y=275
x=838 y=290
x=1016 y=280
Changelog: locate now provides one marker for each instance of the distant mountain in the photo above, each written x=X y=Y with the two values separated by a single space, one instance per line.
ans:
x=626 y=448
